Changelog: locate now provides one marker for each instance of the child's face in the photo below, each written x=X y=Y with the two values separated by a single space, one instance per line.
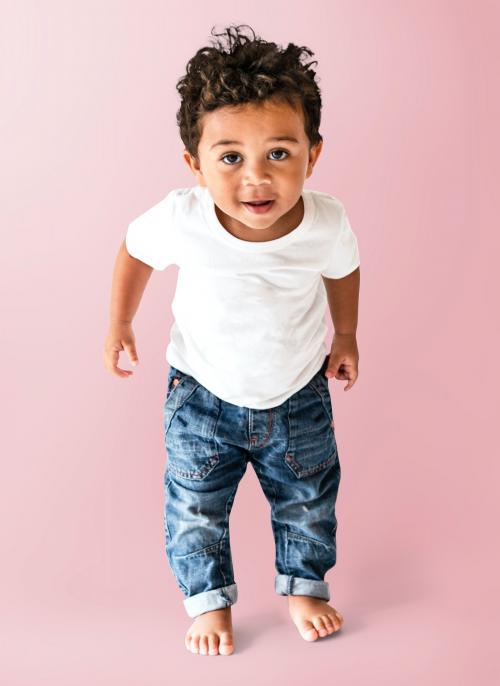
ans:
x=250 y=166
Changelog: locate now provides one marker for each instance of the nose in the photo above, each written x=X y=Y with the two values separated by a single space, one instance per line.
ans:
x=256 y=174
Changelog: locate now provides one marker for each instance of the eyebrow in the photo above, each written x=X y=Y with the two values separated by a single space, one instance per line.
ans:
x=290 y=139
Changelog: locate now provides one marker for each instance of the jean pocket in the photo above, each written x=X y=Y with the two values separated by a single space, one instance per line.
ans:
x=190 y=418
x=312 y=446
x=319 y=384
x=175 y=377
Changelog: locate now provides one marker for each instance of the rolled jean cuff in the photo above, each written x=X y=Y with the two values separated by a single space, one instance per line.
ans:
x=215 y=599
x=287 y=584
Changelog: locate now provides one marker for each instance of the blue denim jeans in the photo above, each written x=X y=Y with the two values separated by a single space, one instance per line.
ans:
x=293 y=451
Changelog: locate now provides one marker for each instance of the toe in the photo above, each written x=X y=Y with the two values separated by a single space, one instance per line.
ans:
x=226 y=643
x=195 y=644
x=319 y=626
x=329 y=624
x=204 y=644
x=308 y=632
x=338 y=620
x=213 y=644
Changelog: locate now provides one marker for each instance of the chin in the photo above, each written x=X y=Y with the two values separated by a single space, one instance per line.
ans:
x=261 y=225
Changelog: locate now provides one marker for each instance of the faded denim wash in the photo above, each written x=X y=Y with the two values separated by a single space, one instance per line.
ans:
x=293 y=451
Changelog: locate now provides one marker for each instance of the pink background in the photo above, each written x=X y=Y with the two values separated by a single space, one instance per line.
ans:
x=410 y=125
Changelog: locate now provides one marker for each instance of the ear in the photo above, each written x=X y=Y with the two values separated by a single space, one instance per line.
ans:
x=313 y=156
x=194 y=165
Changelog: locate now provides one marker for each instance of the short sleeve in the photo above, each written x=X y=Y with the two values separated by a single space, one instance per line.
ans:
x=344 y=257
x=151 y=236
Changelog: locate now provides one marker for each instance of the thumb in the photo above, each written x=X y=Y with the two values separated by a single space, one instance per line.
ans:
x=132 y=353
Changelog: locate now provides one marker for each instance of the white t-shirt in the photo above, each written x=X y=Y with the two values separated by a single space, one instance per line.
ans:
x=249 y=316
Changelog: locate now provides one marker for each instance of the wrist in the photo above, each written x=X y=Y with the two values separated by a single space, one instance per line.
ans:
x=119 y=322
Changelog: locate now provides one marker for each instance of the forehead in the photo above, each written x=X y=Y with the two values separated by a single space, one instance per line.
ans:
x=263 y=119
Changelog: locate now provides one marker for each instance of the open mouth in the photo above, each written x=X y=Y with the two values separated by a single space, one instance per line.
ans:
x=259 y=206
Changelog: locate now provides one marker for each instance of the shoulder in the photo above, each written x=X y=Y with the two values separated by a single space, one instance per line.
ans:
x=328 y=207
x=187 y=200
x=176 y=201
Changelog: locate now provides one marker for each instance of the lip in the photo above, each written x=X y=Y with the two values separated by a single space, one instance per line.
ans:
x=259 y=209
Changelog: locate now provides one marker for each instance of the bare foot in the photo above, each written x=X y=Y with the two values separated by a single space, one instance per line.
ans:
x=211 y=633
x=313 y=617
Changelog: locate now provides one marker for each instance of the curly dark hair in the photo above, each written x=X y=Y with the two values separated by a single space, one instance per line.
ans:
x=250 y=70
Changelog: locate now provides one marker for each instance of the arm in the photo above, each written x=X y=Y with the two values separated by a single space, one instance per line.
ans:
x=130 y=277
x=343 y=297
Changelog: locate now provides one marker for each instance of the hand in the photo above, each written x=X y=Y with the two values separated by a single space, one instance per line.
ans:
x=120 y=337
x=343 y=361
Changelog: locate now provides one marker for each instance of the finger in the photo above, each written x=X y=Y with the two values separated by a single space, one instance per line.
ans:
x=333 y=367
x=132 y=353
x=122 y=372
x=112 y=366
x=351 y=383
x=345 y=371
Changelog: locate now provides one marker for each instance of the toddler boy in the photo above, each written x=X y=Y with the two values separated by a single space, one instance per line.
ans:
x=259 y=258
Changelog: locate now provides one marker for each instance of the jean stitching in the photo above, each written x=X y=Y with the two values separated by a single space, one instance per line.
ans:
x=276 y=528
x=200 y=552
x=319 y=391
x=196 y=474
x=219 y=404
x=212 y=461
x=290 y=460
x=220 y=562
x=177 y=406
x=231 y=496
x=301 y=472
x=269 y=429
x=291 y=402
x=286 y=550
x=273 y=510
x=307 y=539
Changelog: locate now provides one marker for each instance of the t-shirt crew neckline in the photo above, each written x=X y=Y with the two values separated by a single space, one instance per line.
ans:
x=257 y=246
